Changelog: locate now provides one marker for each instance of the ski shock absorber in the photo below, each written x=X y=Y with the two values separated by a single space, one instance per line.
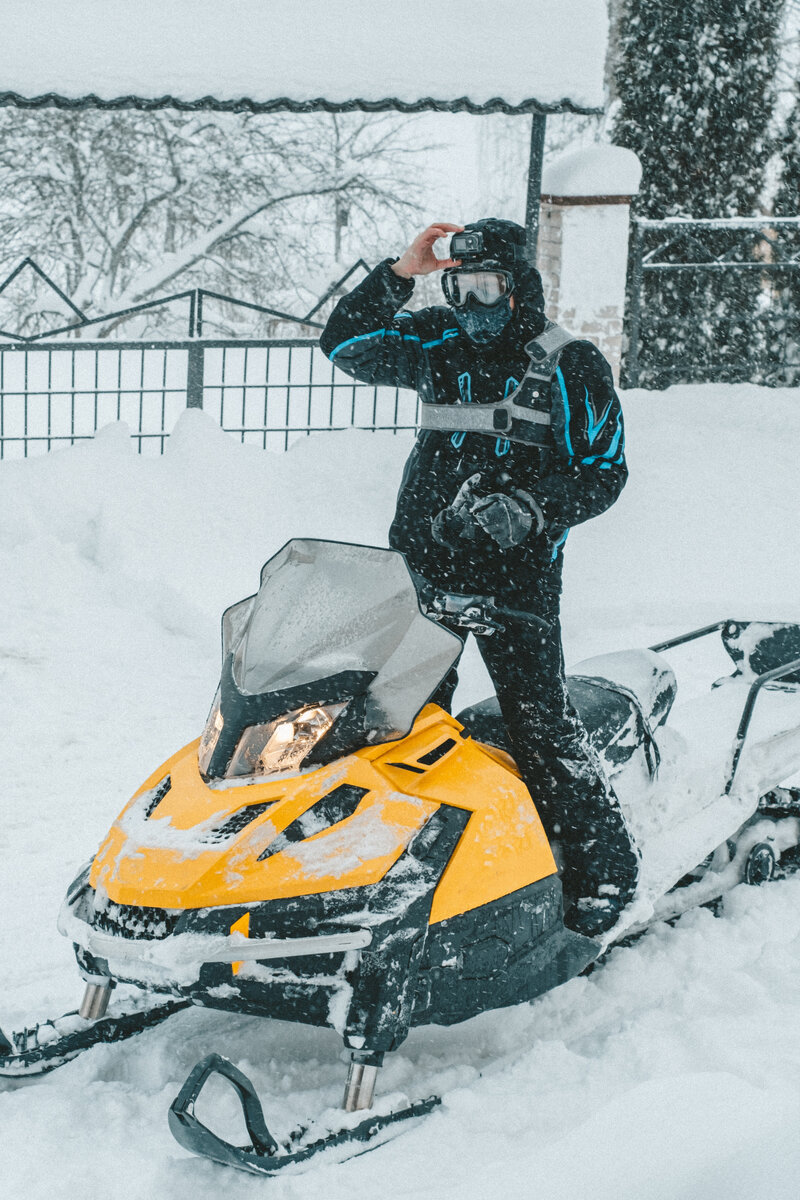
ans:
x=359 y=1090
x=95 y=1000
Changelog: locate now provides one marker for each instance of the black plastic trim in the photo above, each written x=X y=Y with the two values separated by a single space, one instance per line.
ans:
x=329 y=810
x=238 y=821
x=159 y=792
x=438 y=752
x=505 y=952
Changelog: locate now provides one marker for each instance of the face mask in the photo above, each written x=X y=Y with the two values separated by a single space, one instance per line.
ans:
x=481 y=323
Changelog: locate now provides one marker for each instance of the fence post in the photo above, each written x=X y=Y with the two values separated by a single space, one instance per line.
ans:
x=635 y=318
x=194 y=376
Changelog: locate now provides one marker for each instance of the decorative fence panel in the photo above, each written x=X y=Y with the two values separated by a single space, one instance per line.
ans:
x=271 y=393
x=56 y=394
x=266 y=393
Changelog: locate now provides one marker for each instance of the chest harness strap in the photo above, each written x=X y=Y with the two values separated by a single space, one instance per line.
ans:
x=524 y=415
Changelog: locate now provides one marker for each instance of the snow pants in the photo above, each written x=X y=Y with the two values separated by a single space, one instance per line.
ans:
x=574 y=799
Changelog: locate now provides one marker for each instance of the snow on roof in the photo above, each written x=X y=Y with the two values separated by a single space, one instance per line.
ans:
x=601 y=170
x=478 y=55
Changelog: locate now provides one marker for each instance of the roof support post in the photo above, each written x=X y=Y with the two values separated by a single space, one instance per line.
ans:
x=533 y=199
x=194 y=375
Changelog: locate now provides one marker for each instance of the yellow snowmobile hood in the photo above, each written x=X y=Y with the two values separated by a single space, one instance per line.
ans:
x=184 y=844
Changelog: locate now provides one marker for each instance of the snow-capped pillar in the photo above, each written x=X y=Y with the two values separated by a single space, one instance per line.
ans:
x=583 y=242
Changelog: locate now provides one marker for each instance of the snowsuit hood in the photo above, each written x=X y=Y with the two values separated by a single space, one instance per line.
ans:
x=504 y=243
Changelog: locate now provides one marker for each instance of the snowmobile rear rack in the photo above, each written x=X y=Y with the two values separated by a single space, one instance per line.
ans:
x=264 y=1155
x=732 y=629
x=691 y=636
x=747 y=712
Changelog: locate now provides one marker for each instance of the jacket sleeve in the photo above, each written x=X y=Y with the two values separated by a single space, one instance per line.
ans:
x=588 y=471
x=367 y=337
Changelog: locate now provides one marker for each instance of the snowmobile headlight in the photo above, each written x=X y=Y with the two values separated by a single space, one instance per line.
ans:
x=208 y=742
x=282 y=744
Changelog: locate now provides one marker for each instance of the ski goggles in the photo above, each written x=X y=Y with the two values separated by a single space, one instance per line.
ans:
x=488 y=287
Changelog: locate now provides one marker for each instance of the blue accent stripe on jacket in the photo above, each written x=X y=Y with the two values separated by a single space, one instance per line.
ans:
x=448 y=333
x=594 y=429
x=610 y=452
x=559 y=545
x=407 y=337
x=465 y=392
x=567 y=413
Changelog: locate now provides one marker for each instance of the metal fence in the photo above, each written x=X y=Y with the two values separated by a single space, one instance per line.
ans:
x=266 y=393
x=713 y=300
x=708 y=299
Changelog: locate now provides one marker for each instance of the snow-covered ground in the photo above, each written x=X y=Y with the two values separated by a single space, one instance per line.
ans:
x=672 y=1072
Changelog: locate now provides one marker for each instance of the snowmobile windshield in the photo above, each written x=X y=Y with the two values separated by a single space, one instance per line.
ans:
x=327 y=608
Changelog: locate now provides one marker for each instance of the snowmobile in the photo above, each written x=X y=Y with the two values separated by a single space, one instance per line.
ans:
x=337 y=850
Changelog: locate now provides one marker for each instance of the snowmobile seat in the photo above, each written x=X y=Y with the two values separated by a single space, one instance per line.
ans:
x=619 y=697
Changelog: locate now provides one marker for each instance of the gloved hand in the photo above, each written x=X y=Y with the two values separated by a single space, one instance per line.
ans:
x=508 y=520
x=455 y=522
x=449 y=526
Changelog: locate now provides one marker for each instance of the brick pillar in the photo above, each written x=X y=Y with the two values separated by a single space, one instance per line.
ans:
x=583 y=243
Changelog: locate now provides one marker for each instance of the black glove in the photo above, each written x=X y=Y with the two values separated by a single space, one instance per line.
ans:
x=449 y=526
x=455 y=522
x=508 y=520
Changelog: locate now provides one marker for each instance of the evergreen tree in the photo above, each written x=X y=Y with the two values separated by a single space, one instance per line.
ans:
x=786 y=317
x=696 y=99
x=787 y=201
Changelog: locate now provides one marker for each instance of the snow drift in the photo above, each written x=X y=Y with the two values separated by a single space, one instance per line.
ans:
x=670 y=1072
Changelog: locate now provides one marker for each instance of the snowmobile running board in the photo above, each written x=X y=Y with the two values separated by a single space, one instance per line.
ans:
x=264 y=1155
x=44 y=1047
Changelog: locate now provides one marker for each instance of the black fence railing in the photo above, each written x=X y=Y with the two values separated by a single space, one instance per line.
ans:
x=195 y=300
x=713 y=300
x=266 y=393
x=57 y=387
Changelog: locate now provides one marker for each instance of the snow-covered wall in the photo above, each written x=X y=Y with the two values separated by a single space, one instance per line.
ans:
x=601 y=170
x=546 y=50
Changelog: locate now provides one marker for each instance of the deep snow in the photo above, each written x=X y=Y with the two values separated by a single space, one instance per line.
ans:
x=671 y=1072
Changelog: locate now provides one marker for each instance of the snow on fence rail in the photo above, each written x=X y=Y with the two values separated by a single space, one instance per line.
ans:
x=266 y=393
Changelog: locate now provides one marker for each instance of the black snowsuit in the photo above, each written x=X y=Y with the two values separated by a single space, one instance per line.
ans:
x=578 y=477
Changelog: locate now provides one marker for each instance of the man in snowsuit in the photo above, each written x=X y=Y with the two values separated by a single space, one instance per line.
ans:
x=481 y=513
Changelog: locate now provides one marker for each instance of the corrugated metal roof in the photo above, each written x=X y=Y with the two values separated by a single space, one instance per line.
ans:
x=305 y=55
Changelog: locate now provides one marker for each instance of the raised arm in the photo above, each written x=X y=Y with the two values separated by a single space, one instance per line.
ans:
x=366 y=335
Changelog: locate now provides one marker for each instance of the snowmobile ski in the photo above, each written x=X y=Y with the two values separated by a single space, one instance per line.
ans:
x=264 y=1155
x=50 y=1044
